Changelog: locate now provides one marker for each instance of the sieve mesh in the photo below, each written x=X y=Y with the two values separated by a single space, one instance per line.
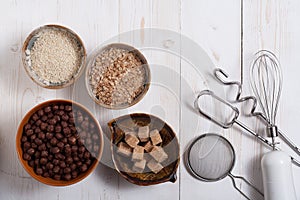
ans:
x=211 y=157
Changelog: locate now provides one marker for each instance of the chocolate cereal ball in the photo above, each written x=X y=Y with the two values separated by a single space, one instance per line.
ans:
x=60 y=141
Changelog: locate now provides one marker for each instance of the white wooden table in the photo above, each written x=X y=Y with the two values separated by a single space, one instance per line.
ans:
x=229 y=31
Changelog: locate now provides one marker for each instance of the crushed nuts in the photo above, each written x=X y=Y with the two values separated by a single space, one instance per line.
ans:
x=117 y=77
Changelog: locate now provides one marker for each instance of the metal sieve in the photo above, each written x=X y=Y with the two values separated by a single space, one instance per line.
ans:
x=211 y=157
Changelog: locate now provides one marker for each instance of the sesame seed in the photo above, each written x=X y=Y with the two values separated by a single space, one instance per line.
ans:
x=55 y=56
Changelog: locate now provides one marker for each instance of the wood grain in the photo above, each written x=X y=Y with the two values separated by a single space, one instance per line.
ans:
x=215 y=26
x=271 y=25
x=161 y=98
x=230 y=32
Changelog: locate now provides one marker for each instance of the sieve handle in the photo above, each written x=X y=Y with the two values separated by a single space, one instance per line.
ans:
x=233 y=177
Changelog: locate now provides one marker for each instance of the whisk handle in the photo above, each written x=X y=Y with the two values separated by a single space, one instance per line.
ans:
x=277 y=176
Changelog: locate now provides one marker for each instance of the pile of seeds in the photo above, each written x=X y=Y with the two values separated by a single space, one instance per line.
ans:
x=117 y=77
x=60 y=141
x=55 y=56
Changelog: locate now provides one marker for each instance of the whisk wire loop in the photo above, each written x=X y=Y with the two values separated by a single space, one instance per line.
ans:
x=266 y=82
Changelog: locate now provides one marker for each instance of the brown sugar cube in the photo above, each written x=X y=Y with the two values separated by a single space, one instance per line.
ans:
x=147 y=157
x=131 y=140
x=154 y=166
x=138 y=153
x=124 y=149
x=131 y=133
x=148 y=146
x=143 y=133
x=127 y=168
x=139 y=166
x=158 y=154
x=155 y=137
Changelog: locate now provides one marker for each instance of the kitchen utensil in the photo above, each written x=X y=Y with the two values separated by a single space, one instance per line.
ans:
x=219 y=73
x=211 y=157
x=266 y=82
x=231 y=121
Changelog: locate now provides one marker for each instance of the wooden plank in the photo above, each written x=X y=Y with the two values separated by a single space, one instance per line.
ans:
x=88 y=20
x=214 y=26
x=21 y=94
x=162 y=97
x=271 y=25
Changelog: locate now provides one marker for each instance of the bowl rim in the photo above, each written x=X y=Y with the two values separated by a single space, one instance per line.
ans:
x=173 y=175
x=49 y=181
x=138 y=53
x=83 y=56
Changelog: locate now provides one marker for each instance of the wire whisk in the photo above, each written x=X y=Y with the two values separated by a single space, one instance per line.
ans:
x=266 y=83
x=221 y=76
x=267 y=86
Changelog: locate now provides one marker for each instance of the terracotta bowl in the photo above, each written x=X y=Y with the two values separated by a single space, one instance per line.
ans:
x=28 y=44
x=50 y=181
x=169 y=143
x=138 y=54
